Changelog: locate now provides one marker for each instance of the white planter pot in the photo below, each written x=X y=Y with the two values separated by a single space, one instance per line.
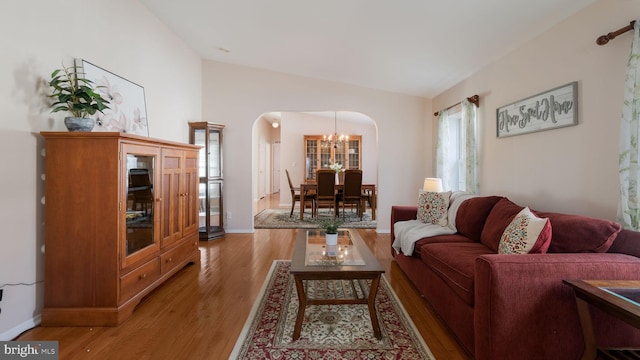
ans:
x=332 y=239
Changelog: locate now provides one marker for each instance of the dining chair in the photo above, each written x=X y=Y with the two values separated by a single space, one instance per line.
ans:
x=352 y=191
x=326 y=189
x=368 y=196
x=296 y=196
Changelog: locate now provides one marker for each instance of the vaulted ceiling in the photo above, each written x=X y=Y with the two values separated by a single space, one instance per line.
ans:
x=416 y=47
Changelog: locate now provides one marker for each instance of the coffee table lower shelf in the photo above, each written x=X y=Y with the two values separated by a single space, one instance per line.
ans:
x=627 y=354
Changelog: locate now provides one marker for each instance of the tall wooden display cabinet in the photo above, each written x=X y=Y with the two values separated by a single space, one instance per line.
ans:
x=211 y=180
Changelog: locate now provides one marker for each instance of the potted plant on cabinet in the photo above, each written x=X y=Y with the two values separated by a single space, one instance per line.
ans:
x=77 y=95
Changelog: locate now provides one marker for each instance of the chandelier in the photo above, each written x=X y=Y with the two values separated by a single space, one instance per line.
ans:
x=334 y=139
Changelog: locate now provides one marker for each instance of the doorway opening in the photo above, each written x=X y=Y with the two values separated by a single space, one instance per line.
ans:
x=278 y=142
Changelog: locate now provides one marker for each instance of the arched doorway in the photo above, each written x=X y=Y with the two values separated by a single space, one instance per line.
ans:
x=288 y=138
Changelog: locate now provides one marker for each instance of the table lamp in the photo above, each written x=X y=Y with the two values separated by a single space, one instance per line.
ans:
x=432 y=184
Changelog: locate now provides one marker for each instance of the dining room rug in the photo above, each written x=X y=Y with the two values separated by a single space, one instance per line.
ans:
x=280 y=219
x=328 y=331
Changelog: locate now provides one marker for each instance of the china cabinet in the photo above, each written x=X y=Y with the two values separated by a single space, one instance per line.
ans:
x=211 y=211
x=320 y=153
x=120 y=219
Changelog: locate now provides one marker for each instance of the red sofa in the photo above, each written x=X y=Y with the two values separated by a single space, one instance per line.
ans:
x=502 y=306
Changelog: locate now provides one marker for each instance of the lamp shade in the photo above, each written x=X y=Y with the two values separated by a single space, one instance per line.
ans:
x=432 y=184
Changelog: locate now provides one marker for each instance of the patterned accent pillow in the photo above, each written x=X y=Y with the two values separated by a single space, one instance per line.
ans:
x=526 y=234
x=433 y=207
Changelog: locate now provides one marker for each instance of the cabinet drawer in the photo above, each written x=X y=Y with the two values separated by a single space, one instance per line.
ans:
x=176 y=256
x=140 y=278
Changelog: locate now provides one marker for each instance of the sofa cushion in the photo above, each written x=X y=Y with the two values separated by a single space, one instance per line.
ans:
x=627 y=242
x=500 y=216
x=433 y=207
x=472 y=215
x=451 y=238
x=526 y=234
x=454 y=263
x=578 y=234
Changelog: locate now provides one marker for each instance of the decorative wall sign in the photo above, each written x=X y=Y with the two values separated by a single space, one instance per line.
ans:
x=127 y=108
x=549 y=110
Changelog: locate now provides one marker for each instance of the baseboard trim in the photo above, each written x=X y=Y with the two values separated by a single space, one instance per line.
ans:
x=15 y=331
x=240 y=231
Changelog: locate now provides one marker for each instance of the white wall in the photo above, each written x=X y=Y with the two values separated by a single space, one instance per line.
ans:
x=37 y=35
x=237 y=95
x=573 y=169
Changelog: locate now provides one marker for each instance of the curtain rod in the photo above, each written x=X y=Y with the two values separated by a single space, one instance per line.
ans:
x=475 y=100
x=604 y=39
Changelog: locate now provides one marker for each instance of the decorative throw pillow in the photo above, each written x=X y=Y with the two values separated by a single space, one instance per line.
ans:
x=526 y=234
x=433 y=207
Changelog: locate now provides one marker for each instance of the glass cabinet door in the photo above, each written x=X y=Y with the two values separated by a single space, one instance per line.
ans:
x=210 y=172
x=214 y=157
x=211 y=206
x=310 y=159
x=354 y=154
x=140 y=210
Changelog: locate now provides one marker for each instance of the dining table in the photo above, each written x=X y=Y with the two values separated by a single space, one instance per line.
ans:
x=312 y=187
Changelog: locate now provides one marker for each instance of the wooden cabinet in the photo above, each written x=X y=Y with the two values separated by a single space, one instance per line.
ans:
x=320 y=153
x=120 y=219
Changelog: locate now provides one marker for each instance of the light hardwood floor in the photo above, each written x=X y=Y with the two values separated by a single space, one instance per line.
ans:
x=199 y=312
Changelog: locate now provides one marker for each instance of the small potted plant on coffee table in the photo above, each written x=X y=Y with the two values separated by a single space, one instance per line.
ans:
x=330 y=227
x=77 y=95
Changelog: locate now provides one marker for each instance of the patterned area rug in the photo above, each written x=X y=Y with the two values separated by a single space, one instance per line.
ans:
x=328 y=331
x=280 y=219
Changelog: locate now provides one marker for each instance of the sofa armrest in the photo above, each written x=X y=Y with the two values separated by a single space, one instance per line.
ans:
x=522 y=306
x=401 y=213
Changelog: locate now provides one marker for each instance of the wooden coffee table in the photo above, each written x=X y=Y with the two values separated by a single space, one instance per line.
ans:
x=351 y=261
x=619 y=298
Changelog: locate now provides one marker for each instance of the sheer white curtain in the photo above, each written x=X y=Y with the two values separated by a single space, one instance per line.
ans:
x=629 y=207
x=445 y=146
x=457 y=148
x=470 y=140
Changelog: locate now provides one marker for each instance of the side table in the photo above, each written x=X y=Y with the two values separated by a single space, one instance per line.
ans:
x=619 y=298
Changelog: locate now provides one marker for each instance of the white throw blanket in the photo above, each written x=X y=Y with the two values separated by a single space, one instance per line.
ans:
x=408 y=232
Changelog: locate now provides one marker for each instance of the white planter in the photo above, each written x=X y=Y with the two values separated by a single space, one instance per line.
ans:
x=332 y=239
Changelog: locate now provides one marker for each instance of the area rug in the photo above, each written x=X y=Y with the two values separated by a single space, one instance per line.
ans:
x=280 y=219
x=328 y=331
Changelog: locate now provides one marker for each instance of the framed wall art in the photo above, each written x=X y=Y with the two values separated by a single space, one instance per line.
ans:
x=551 y=109
x=127 y=108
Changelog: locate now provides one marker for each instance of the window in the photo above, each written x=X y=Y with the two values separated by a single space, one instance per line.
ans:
x=456 y=149
x=453 y=155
